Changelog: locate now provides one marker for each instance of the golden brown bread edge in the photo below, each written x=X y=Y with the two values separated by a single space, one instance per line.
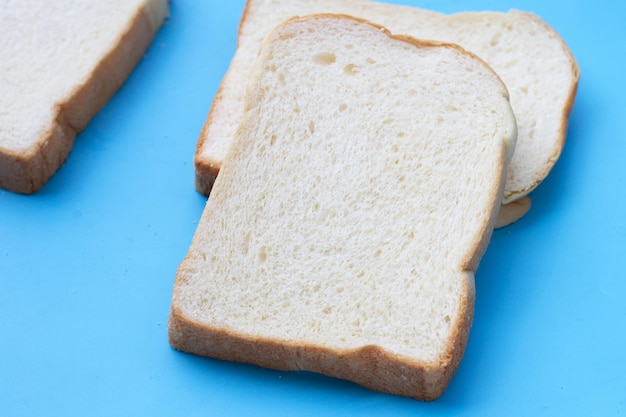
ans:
x=26 y=173
x=369 y=366
x=205 y=175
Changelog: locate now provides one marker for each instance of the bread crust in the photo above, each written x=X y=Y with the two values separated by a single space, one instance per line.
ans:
x=208 y=168
x=369 y=366
x=26 y=172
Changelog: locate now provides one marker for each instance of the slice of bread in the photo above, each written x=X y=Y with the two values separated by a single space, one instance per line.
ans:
x=344 y=230
x=533 y=61
x=60 y=62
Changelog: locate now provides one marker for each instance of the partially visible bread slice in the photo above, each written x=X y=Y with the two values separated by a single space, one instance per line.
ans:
x=530 y=57
x=60 y=61
x=512 y=212
x=344 y=230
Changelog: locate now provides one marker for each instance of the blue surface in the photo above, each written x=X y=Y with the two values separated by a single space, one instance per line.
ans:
x=87 y=265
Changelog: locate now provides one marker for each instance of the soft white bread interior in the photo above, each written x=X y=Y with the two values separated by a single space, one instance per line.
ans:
x=530 y=57
x=60 y=62
x=344 y=230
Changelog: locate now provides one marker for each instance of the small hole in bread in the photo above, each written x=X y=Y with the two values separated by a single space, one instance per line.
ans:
x=324 y=58
x=262 y=254
x=495 y=40
x=350 y=69
x=286 y=35
x=246 y=243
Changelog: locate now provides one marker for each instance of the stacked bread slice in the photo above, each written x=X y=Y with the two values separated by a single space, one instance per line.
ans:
x=533 y=61
x=359 y=194
x=60 y=62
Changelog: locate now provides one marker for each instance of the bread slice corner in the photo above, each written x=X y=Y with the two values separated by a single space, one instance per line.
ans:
x=60 y=63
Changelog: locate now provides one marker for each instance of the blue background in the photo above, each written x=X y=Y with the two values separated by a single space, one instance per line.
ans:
x=87 y=264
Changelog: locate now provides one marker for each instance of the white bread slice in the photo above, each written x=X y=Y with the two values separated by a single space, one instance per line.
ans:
x=530 y=57
x=60 y=62
x=344 y=230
